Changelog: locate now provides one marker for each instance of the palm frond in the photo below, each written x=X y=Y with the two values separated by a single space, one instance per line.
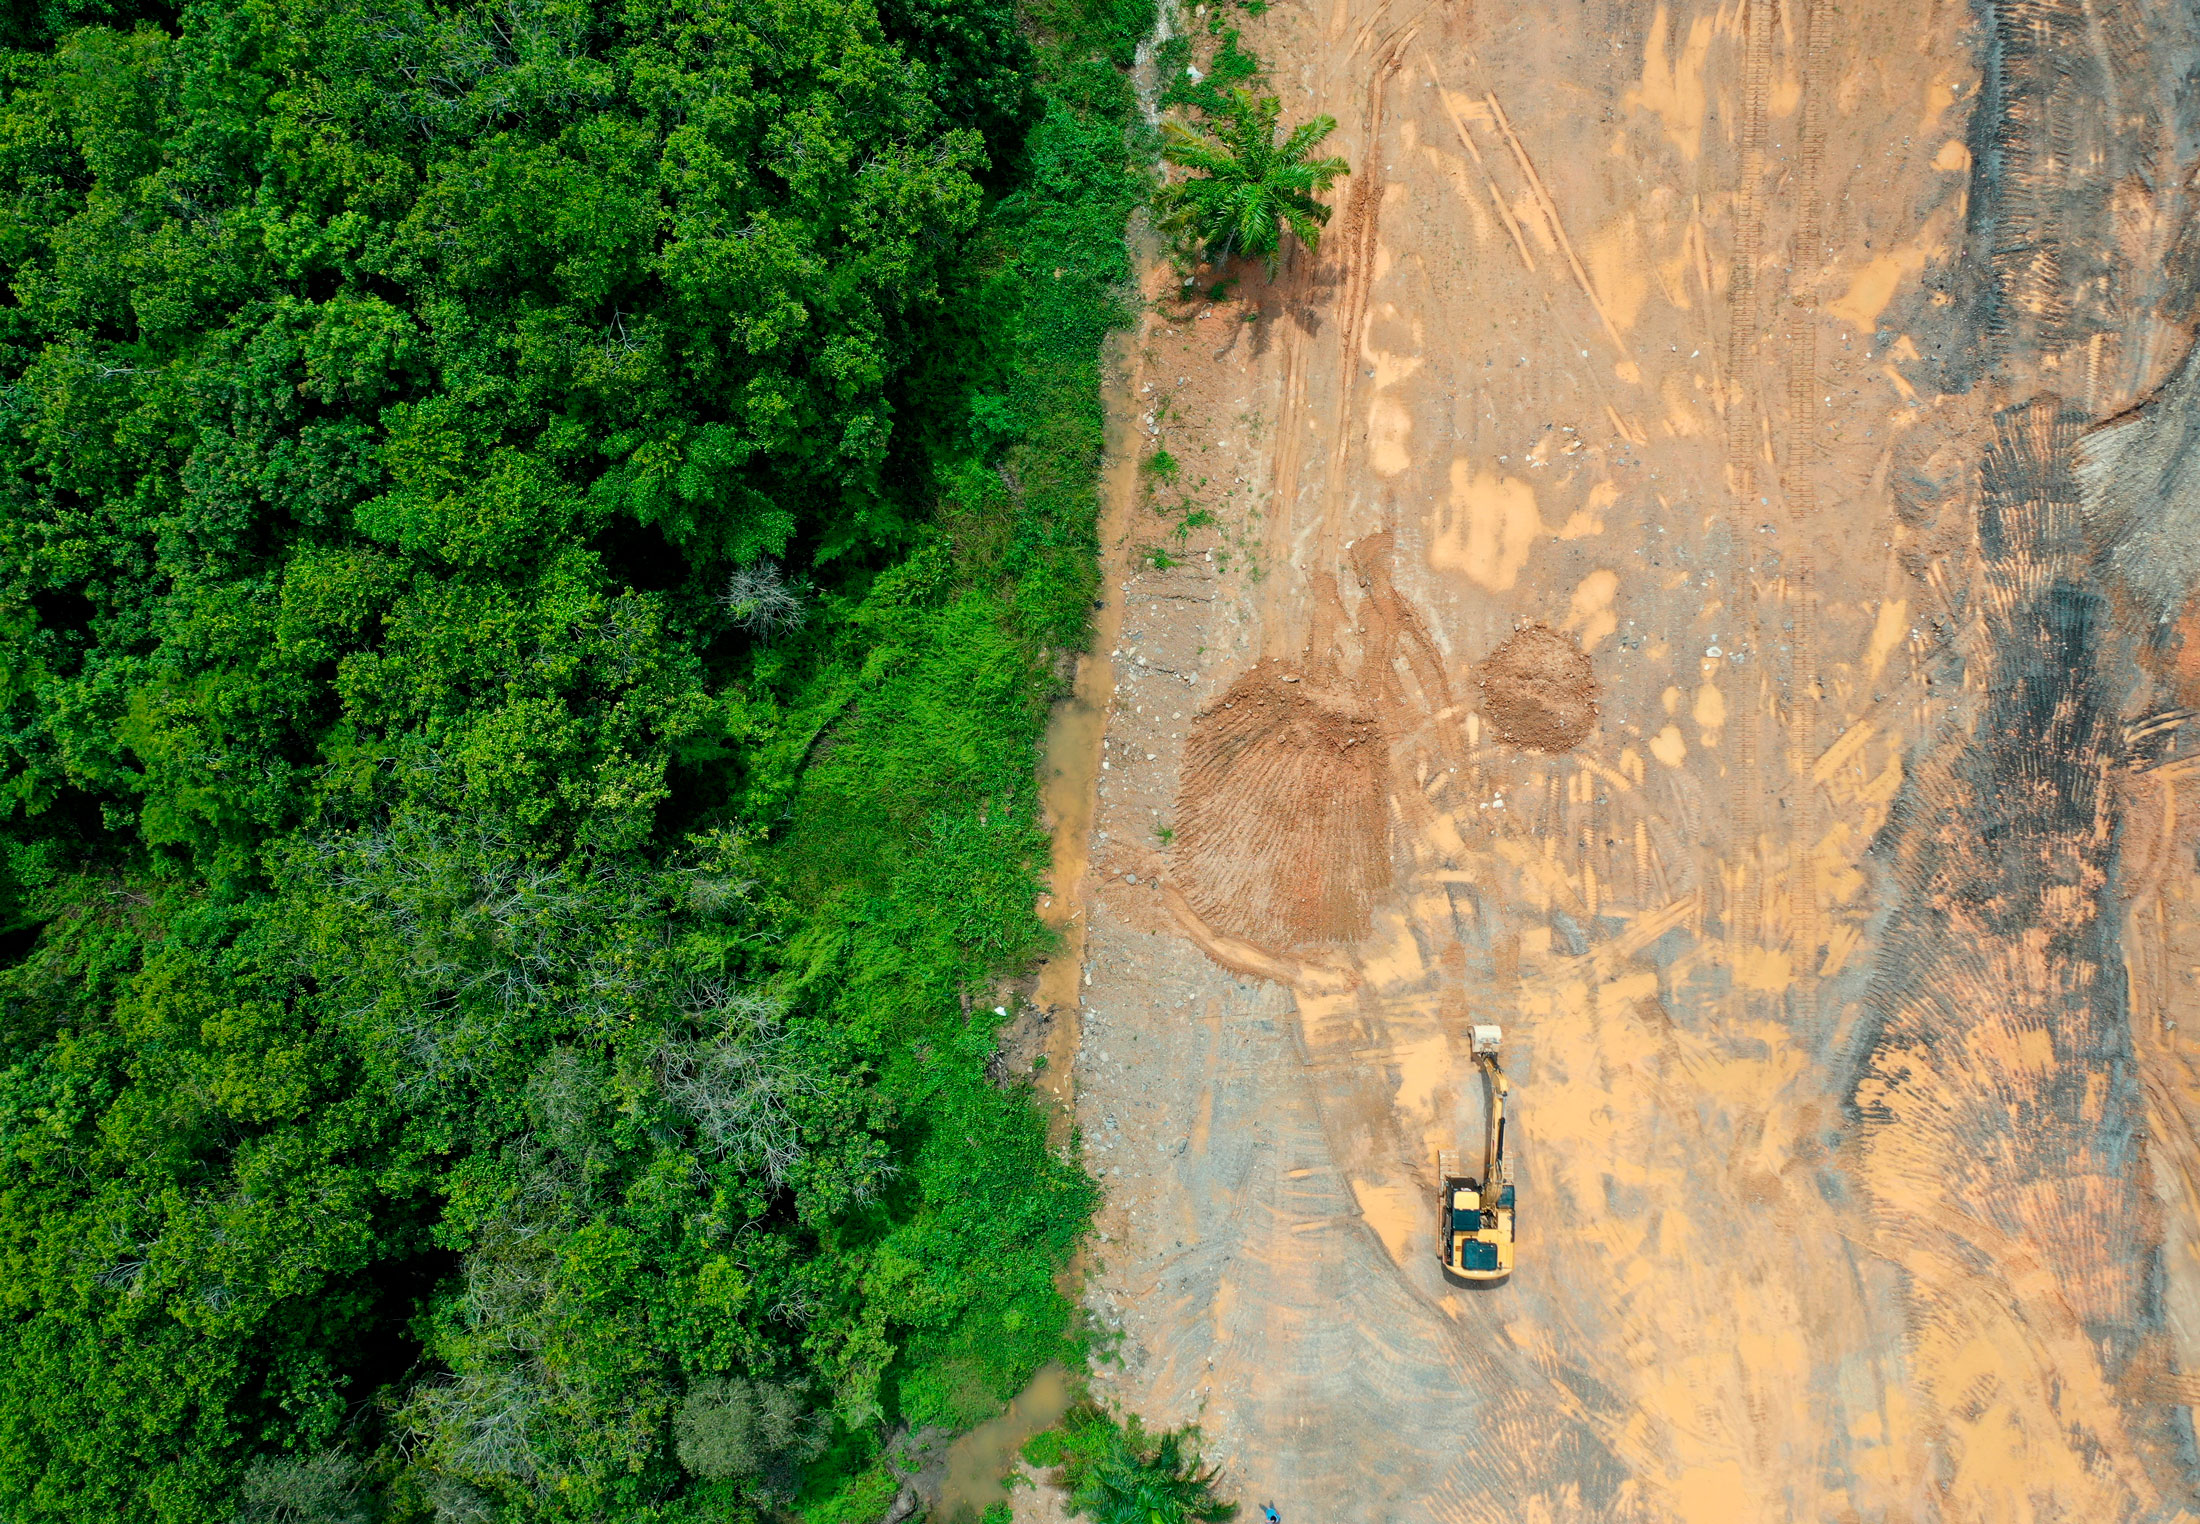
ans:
x=1306 y=136
x=1245 y=190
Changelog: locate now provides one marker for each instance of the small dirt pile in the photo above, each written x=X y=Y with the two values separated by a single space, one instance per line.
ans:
x=1283 y=821
x=1538 y=691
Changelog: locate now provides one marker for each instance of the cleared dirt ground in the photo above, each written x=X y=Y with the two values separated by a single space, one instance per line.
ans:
x=1701 y=575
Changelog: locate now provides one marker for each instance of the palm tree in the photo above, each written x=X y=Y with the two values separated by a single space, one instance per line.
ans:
x=1117 y=1473
x=1245 y=188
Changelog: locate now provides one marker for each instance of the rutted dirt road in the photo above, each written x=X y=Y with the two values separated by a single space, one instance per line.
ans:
x=1702 y=574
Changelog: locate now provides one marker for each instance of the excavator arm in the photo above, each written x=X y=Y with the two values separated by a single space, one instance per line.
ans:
x=1478 y=1214
x=1494 y=1169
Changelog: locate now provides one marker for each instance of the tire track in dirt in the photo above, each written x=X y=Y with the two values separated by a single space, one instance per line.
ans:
x=1292 y=427
x=1351 y=269
x=1363 y=220
x=1623 y=430
x=1798 y=509
x=1549 y=207
x=1746 y=907
x=1798 y=489
x=1474 y=152
x=1741 y=284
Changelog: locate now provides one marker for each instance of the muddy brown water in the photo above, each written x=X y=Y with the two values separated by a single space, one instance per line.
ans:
x=979 y=1460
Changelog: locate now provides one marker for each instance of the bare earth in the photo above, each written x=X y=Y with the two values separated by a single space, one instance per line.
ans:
x=1701 y=576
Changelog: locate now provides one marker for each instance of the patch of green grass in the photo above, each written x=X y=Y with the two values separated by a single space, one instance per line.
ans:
x=1197 y=518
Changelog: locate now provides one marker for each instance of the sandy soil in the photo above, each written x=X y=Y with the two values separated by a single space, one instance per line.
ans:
x=1680 y=587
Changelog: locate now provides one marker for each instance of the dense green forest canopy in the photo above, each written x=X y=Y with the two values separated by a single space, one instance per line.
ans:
x=535 y=539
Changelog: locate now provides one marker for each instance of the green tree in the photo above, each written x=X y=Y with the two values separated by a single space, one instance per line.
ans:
x=1117 y=1473
x=1246 y=189
x=534 y=540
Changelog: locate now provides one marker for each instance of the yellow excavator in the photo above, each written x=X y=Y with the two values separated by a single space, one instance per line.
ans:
x=1476 y=1227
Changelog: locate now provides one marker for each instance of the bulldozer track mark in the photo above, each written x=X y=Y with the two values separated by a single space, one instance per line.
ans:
x=1741 y=286
x=1363 y=206
x=1558 y=225
x=1963 y=990
x=1800 y=790
x=2072 y=119
x=1747 y=856
x=1798 y=490
x=1356 y=243
x=1283 y=827
x=1363 y=215
x=1631 y=431
x=1355 y=240
x=1748 y=429
x=1291 y=429
x=1474 y=152
x=2004 y=1272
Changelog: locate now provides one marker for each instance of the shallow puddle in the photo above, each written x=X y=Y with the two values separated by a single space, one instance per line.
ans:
x=977 y=1461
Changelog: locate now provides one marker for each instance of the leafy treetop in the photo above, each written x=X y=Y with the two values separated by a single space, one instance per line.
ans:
x=1246 y=189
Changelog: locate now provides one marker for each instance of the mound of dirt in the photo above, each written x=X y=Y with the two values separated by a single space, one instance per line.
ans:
x=1283 y=820
x=1538 y=691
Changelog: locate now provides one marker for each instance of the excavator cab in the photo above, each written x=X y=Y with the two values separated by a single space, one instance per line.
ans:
x=1475 y=1224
